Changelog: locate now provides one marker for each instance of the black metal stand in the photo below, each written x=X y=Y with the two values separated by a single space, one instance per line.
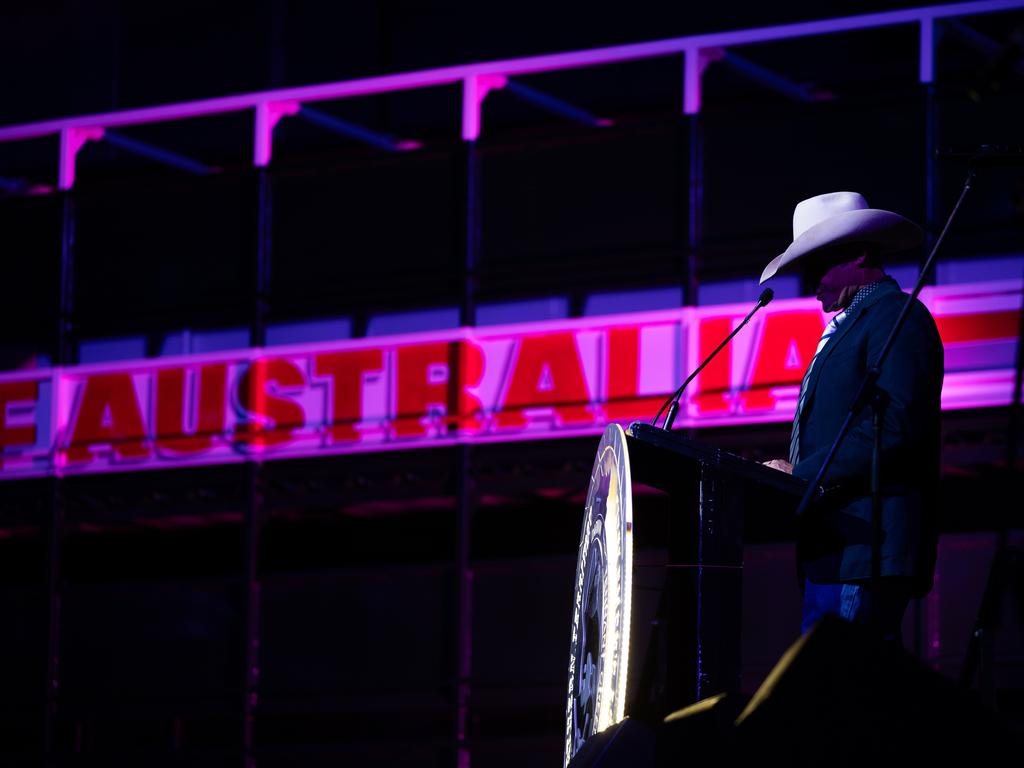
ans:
x=1007 y=570
x=1006 y=574
x=869 y=395
x=878 y=406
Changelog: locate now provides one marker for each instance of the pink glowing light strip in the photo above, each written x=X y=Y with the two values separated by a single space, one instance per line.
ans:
x=478 y=79
x=525 y=381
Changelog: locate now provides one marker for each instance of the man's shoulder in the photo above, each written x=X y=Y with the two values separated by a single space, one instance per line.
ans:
x=890 y=301
x=919 y=324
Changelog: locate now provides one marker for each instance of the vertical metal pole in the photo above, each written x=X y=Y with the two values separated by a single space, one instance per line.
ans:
x=264 y=243
x=464 y=629
x=695 y=218
x=54 y=531
x=695 y=222
x=932 y=191
x=65 y=350
x=53 y=615
x=471 y=219
x=927 y=618
x=877 y=528
x=931 y=215
x=253 y=513
x=929 y=33
x=694 y=62
x=252 y=525
x=470 y=226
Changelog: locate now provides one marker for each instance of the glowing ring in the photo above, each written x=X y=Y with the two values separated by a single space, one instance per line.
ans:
x=602 y=598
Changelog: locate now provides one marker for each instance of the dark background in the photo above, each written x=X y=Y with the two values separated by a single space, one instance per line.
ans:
x=352 y=562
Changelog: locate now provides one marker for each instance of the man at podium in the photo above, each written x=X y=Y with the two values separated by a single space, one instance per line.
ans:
x=838 y=244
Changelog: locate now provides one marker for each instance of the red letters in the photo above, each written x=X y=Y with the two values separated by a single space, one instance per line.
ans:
x=274 y=417
x=13 y=392
x=436 y=375
x=172 y=433
x=547 y=372
x=492 y=383
x=788 y=342
x=108 y=414
x=979 y=326
x=624 y=377
x=346 y=371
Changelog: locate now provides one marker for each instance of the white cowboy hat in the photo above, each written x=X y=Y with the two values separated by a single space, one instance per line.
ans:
x=842 y=217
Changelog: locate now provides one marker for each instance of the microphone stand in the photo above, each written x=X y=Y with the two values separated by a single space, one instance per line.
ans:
x=673 y=402
x=870 y=395
x=1007 y=569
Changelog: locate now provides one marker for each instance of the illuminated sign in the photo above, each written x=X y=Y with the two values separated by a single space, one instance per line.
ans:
x=602 y=598
x=561 y=378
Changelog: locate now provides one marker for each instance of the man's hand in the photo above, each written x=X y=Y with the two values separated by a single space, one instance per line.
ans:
x=780 y=464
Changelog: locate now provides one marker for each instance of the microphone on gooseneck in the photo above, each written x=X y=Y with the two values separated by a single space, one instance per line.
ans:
x=673 y=402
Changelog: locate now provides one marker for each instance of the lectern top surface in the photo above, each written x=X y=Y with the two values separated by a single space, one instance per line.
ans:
x=750 y=471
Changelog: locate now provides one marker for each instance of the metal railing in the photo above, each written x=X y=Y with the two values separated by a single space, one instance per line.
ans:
x=477 y=80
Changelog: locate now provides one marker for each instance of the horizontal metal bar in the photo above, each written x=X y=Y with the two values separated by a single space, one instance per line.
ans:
x=555 y=105
x=982 y=43
x=354 y=131
x=14 y=186
x=509 y=67
x=769 y=79
x=157 y=154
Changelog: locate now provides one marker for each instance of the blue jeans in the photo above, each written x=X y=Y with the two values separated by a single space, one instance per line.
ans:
x=859 y=605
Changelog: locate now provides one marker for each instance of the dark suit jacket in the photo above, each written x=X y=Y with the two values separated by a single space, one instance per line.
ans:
x=835 y=542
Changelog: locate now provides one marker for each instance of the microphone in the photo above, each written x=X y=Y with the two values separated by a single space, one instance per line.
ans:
x=673 y=402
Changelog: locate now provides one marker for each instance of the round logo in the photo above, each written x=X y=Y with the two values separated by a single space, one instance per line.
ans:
x=599 y=648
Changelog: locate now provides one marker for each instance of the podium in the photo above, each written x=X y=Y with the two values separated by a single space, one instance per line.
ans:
x=714 y=499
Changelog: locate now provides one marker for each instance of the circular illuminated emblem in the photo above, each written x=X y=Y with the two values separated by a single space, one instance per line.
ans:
x=599 y=649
